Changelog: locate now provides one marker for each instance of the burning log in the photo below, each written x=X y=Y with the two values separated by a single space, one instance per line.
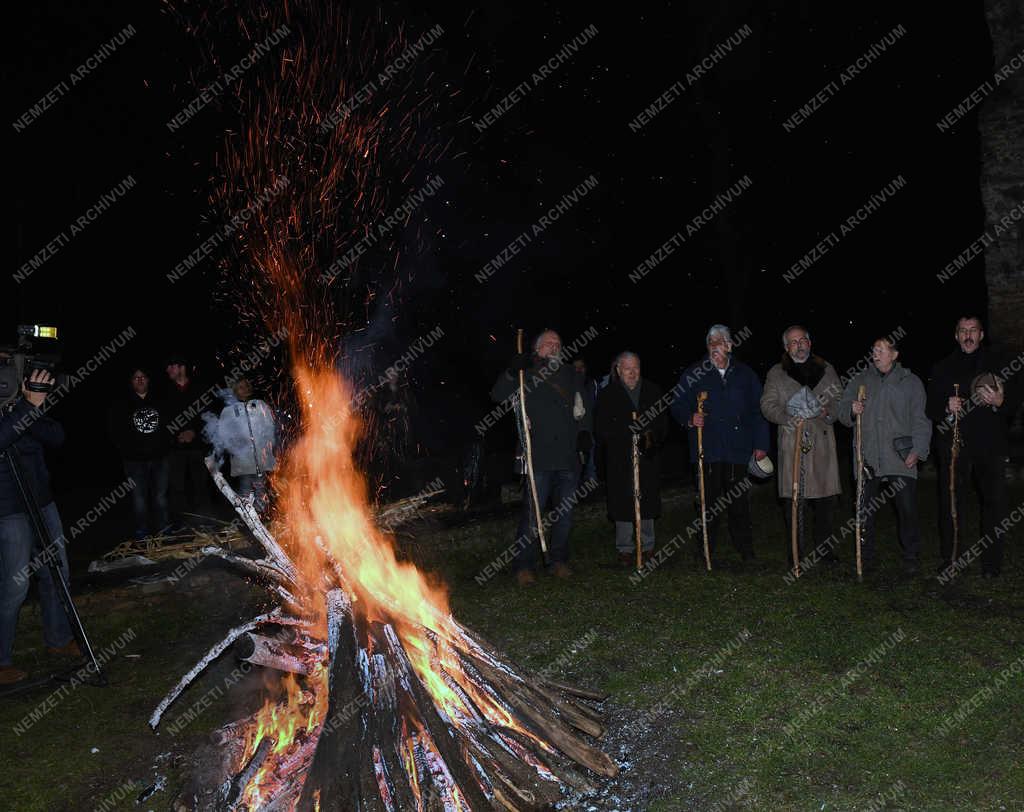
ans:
x=270 y=653
x=391 y=704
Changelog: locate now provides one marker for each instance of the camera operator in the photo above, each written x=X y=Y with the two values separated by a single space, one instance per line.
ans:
x=26 y=432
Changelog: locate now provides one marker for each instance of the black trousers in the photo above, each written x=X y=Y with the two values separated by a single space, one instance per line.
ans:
x=187 y=468
x=901 y=492
x=823 y=510
x=727 y=490
x=987 y=476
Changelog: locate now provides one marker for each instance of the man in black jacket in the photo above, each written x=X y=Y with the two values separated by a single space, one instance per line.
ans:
x=989 y=396
x=627 y=406
x=26 y=432
x=138 y=429
x=559 y=425
x=186 y=401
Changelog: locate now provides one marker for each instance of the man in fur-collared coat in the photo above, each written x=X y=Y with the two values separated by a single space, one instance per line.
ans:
x=806 y=386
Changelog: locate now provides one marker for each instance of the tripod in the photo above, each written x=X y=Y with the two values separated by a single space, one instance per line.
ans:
x=47 y=556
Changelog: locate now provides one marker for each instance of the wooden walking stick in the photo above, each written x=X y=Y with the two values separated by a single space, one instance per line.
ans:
x=701 y=397
x=795 y=516
x=529 y=451
x=860 y=482
x=954 y=453
x=636 y=494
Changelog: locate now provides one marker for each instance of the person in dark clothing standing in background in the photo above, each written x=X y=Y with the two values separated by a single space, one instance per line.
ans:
x=734 y=430
x=26 y=432
x=138 y=429
x=986 y=406
x=615 y=426
x=185 y=402
x=559 y=425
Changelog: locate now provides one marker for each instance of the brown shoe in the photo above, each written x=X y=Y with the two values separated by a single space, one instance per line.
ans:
x=525 y=578
x=10 y=675
x=560 y=570
x=627 y=559
x=67 y=650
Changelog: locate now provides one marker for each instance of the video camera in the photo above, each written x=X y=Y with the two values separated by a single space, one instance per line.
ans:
x=36 y=347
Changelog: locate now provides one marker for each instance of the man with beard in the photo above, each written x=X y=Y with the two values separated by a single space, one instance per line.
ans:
x=617 y=404
x=734 y=430
x=895 y=437
x=986 y=406
x=805 y=386
x=559 y=426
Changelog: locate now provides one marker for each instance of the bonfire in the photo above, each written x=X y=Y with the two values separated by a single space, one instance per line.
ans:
x=390 y=703
x=387 y=702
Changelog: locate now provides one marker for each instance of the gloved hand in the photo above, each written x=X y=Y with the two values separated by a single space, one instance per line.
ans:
x=584 y=442
x=578 y=409
x=794 y=406
x=803 y=404
x=520 y=361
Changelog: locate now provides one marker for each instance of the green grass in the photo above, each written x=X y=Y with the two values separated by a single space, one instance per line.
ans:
x=740 y=736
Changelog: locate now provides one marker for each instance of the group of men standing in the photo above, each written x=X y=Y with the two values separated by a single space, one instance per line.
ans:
x=970 y=399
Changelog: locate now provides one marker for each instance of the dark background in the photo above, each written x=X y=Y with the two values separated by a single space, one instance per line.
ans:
x=499 y=182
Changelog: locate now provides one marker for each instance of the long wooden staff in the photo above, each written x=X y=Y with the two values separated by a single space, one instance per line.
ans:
x=954 y=453
x=529 y=451
x=795 y=517
x=636 y=493
x=860 y=482
x=701 y=397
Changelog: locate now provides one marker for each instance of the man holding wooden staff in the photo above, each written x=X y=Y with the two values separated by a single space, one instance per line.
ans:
x=805 y=386
x=984 y=408
x=626 y=395
x=558 y=430
x=735 y=434
x=895 y=436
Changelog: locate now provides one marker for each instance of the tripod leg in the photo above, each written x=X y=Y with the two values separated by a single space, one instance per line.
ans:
x=45 y=553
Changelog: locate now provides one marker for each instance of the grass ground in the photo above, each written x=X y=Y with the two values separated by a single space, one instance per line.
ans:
x=732 y=690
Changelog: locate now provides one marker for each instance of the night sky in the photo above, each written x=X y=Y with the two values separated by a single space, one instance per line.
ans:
x=574 y=124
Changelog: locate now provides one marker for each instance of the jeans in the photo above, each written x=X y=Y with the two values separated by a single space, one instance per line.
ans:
x=151 y=478
x=18 y=547
x=255 y=485
x=559 y=487
x=625 y=536
x=988 y=475
x=900 y=491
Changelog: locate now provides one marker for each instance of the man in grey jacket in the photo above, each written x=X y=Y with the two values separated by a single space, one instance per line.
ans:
x=896 y=437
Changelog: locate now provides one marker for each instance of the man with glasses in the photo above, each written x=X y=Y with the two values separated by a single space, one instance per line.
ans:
x=805 y=387
x=984 y=407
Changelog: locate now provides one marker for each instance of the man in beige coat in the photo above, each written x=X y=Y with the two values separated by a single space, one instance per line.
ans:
x=805 y=386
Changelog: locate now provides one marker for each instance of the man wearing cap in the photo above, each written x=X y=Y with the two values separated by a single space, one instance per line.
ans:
x=896 y=437
x=734 y=431
x=805 y=386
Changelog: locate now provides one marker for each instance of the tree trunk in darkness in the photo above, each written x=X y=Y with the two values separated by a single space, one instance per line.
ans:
x=1001 y=122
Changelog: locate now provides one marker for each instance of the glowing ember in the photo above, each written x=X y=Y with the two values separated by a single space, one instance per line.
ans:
x=404 y=707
